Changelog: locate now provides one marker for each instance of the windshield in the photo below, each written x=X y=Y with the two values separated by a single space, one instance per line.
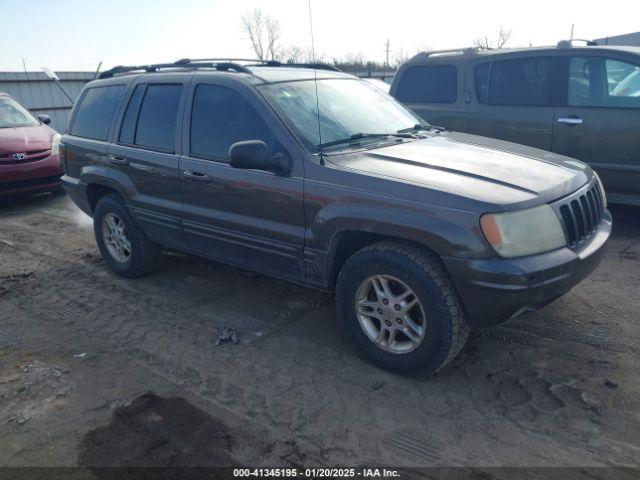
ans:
x=12 y=114
x=348 y=107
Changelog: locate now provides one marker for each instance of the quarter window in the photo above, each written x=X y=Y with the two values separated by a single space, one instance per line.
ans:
x=96 y=110
x=429 y=84
x=157 y=118
x=128 y=128
x=221 y=117
x=518 y=82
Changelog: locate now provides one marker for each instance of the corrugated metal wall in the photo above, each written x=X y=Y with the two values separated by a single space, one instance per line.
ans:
x=41 y=95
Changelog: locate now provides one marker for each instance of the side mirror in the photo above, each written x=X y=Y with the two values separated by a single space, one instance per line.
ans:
x=44 y=118
x=254 y=155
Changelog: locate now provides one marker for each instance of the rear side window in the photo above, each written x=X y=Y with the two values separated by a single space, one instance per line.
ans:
x=96 y=110
x=156 y=127
x=221 y=117
x=128 y=128
x=428 y=84
x=518 y=82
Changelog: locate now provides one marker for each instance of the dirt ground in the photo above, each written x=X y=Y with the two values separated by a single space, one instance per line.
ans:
x=98 y=370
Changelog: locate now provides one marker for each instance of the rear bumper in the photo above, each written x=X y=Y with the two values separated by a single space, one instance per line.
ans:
x=495 y=290
x=30 y=177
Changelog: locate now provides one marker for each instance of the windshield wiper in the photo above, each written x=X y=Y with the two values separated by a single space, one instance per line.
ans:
x=359 y=136
x=422 y=126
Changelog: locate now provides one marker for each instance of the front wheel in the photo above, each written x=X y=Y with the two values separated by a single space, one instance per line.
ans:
x=125 y=248
x=397 y=303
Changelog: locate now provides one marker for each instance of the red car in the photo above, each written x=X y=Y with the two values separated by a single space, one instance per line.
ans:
x=29 y=151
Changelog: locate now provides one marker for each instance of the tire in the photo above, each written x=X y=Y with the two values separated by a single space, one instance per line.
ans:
x=444 y=322
x=143 y=254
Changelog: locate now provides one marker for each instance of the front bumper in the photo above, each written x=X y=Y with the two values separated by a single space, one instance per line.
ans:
x=495 y=290
x=30 y=177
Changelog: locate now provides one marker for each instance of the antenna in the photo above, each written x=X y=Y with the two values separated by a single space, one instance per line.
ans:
x=315 y=76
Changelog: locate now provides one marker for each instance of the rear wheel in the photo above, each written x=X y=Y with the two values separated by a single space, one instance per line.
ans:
x=125 y=248
x=398 y=305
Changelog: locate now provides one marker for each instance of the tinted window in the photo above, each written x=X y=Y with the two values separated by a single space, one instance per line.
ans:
x=95 y=112
x=128 y=128
x=428 y=84
x=221 y=117
x=157 y=118
x=524 y=82
x=481 y=74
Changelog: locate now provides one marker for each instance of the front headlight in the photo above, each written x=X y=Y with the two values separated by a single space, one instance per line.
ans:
x=55 y=145
x=524 y=232
x=601 y=190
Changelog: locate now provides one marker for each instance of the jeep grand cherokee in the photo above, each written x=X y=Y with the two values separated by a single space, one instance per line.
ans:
x=316 y=177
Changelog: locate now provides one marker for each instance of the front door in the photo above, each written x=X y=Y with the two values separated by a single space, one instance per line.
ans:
x=513 y=100
x=248 y=217
x=600 y=123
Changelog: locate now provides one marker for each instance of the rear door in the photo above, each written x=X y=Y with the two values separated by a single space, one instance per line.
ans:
x=248 y=217
x=512 y=99
x=433 y=92
x=599 y=122
x=146 y=149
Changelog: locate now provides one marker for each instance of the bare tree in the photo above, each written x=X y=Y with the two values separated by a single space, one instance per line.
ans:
x=297 y=54
x=264 y=33
x=504 y=35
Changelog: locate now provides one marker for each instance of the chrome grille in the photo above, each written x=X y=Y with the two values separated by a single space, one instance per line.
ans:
x=581 y=215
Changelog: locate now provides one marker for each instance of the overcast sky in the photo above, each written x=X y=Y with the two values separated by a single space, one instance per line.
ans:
x=77 y=34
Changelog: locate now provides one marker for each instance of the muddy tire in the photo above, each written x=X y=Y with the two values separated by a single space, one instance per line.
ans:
x=125 y=248
x=398 y=305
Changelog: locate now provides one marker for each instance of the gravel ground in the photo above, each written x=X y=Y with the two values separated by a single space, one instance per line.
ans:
x=98 y=370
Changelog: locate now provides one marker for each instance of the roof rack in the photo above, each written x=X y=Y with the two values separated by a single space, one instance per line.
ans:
x=463 y=51
x=180 y=64
x=569 y=43
x=221 y=64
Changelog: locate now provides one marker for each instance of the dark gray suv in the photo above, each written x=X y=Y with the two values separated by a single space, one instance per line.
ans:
x=579 y=101
x=316 y=177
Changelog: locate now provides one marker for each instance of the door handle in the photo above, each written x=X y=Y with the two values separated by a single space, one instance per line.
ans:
x=116 y=160
x=570 y=120
x=196 y=176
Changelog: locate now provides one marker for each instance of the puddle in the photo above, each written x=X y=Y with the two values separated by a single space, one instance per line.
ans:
x=156 y=432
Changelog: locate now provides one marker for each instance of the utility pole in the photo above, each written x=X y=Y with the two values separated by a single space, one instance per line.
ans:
x=387 y=49
x=572 y=25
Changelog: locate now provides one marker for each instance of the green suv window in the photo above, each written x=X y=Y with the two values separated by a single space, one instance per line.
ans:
x=517 y=82
x=603 y=82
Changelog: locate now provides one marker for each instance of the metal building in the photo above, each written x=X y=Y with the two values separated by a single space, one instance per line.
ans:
x=40 y=94
x=629 y=39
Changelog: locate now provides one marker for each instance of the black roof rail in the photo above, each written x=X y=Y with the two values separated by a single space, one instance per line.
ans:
x=223 y=64
x=184 y=63
x=569 y=43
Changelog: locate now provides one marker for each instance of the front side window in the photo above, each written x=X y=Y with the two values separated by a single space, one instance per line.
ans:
x=347 y=107
x=96 y=110
x=156 y=126
x=520 y=82
x=12 y=114
x=428 y=84
x=603 y=82
x=221 y=117
x=623 y=83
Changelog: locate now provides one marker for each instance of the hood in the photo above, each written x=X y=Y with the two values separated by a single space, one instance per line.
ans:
x=25 y=139
x=478 y=168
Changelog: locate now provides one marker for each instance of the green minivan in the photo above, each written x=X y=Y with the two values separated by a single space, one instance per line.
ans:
x=578 y=101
